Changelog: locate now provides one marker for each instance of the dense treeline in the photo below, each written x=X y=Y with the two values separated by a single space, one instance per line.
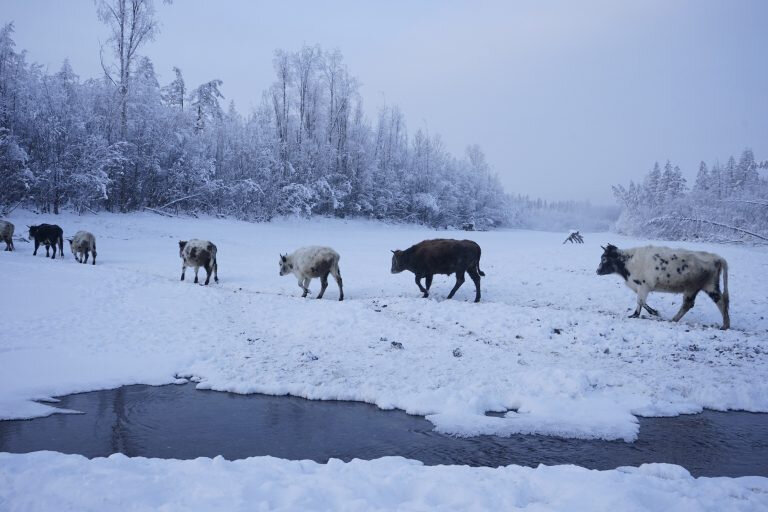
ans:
x=125 y=141
x=726 y=202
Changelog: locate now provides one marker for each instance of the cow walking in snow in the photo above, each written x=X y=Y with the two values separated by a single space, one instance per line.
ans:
x=82 y=244
x=309 y=262
x=49 y=235
x=6 y=234
x=441 y=256
x=199 y=253
x=649 y=269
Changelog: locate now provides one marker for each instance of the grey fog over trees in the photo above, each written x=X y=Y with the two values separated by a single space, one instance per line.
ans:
x=724 y=203
x=125 y=141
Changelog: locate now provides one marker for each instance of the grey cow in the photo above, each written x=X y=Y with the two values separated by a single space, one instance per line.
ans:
x=6 y=234
x=83 y=244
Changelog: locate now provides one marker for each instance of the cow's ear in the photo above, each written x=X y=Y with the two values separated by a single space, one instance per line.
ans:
x=182 y=243
x=282 y=257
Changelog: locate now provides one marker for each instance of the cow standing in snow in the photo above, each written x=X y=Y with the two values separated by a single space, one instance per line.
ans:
x=199 y=253
x=440 y=256
x=49 y=235
x=309 y=262
x=6 y=234
x=82 y=244
x=649 y=269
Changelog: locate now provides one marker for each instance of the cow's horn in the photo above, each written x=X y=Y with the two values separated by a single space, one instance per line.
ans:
x=603 y=248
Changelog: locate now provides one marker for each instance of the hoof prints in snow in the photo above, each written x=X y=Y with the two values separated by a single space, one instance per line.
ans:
x=184 y=423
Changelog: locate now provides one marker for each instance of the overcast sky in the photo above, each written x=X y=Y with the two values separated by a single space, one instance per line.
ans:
x=566 y=98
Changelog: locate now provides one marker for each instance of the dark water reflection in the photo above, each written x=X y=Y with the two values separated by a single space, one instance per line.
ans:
x=181 y=422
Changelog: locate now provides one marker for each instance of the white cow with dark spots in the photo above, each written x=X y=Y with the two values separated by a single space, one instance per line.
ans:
x=309 y=262
x=199 y=253
x=81 y=245
x=661 y=269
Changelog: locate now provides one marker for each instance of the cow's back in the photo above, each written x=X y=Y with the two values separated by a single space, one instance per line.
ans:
x=444 y=256
x=6 y=229
x=672 y=270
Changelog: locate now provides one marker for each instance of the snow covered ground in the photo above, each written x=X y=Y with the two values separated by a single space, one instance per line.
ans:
x=46 y=481
x=550 y=342
x=550 y=339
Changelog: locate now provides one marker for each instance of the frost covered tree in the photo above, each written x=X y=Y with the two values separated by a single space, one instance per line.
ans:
x=124 y=142
x=725 y=203
x=131 y=23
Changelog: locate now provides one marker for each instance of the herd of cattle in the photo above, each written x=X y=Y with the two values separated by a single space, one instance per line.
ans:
x=644 y=269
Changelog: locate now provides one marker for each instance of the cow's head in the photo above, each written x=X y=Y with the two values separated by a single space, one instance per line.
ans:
x=32 y=231
x=398 y=262
x=71 y=244
x=182 y=245
x=610 y=261
x=286 y=264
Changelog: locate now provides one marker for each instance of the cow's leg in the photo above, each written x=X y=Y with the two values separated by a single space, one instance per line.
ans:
x=47 y=249
x=197 y=269
x=336 y=273
x=459 y=282
x=428 y=282
x=650 y=310
x=183 y=269
x=323 y=285
x=85 y=258
x=208 y=272
x=93 y=256
x=475 y=279
x=689 y=299
x=215 y=269
x=721 y=301
x=642 y=294
x=304 y=285
x=421 y=288
x=37 y=246
x=61 y=247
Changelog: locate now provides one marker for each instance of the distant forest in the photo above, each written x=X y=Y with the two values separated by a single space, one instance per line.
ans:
x=125 y=142
x=726 y=202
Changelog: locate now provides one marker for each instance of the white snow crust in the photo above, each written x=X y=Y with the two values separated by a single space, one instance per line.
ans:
x=45 y=481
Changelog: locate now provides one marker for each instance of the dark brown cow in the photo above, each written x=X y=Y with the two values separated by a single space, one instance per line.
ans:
x=49 y=235
x=441 y=256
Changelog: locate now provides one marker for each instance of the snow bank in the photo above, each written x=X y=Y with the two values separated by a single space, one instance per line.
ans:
x=550 y=343
x=45 y=481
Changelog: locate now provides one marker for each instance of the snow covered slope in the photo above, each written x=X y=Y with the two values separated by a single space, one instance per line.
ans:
x=550 y=341
x=45 y=481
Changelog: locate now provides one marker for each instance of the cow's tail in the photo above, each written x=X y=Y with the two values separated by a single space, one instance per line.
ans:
x=724 y=267
x=94 y=248
x=215 y=266
x=477 y=265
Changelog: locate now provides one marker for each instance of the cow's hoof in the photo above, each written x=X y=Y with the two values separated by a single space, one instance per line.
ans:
x=341 y=299
x=634 y=315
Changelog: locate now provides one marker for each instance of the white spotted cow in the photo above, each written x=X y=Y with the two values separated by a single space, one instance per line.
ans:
x=661 y=269
x=199 y=253
x=308 y=262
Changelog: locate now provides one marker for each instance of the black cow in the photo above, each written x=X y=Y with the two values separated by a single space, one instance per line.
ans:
x=50 y=235
x=441 y=256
